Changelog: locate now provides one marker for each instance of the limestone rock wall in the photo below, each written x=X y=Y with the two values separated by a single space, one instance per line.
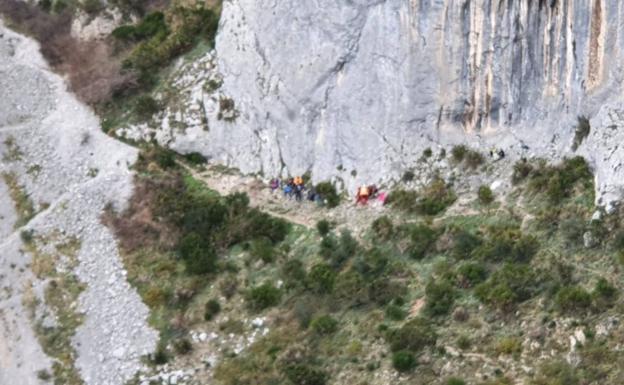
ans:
x=355 y=90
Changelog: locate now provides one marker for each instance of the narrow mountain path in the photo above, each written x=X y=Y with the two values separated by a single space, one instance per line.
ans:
x=305 y=213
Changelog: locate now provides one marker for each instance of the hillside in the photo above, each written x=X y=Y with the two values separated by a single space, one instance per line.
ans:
x=140 y=243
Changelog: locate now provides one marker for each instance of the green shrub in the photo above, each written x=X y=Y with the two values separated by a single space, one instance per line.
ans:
x=293 y=273
x=512 y=284
x=508 y=346
x=414 y=335
x=403 y=361
x=371 y=263
x=27 y=236
x=198 y=254
x=182 y=346
x=164 y=157
x=581 y=132
x=337 y=252
x=152 y=25
x=211 y=309
x=485 y=195
x=435 y=198
x=408 y=176
x=145 y=106
x=463 y=342
x=521 y=170
x=263 y=296
x=350 y=289
x=440 y=297
x=328 y=193
x=422 y=240
x=455 y=381
x=383 y=228
x=507 y=245
x=558 y=181
x=323 y=227
x=383 y=290
x=427 y=153
x=473 y=159
x=301 y=374
x=471 y=274
x=160 y=356
x=395 y=312
x=572 y=299
x=321 y=278
x=262 y=249
x=605 y=291
x=195 y=158
x=464 y=243
x=324 y=324
x=458 y=153
x=556 y=373
x=403 y=200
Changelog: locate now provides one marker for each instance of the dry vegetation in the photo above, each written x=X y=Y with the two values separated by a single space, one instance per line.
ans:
x=94 y=73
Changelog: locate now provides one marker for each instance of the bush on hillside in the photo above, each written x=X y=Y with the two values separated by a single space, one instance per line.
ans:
x=323 y=227
x=458 y=153
x=293 y=273
x=415 y=335
x=301 y=374
x=604 y=291
x=324 y=324
x=321 y=278
x=262 y=249
x=328 y=193
x=471 y=274
x=211 y=309
x=512 y=284
x=198 y=254
x=455 y=381
x=263 y=296
x=464 y=243
x=557 y=182
x=403 y=361
x=338 y=252
x=422 y=240
x=485 y=195
x=383 y=228
x=521 y=170
x=572 y=299
x=440 y=297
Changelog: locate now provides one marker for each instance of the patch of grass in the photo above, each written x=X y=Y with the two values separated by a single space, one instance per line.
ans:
x=13 y=152
x=24 y=206
x=508 y=346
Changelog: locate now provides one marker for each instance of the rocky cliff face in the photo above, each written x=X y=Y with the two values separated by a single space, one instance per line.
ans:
x=356 y=90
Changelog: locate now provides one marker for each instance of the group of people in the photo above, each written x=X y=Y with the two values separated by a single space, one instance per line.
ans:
x=294 y=188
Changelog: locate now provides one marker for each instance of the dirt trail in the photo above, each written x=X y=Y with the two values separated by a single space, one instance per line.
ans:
x=305 y=213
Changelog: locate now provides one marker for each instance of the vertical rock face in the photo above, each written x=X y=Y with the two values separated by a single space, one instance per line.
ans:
x=367 y=84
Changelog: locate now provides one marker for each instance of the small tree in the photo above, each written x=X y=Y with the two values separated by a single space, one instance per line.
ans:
x=485 y=195
x=263 y=296
x=403 y=361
